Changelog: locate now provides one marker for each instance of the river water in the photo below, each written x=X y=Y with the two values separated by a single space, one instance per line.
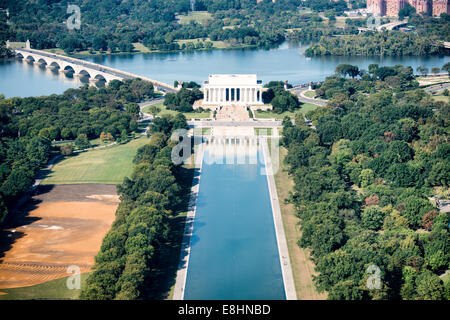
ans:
x=286 y=62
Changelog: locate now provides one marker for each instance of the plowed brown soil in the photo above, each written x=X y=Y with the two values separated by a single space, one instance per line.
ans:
x=59 y=227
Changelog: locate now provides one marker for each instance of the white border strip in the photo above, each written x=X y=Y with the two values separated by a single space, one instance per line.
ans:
x=286 y=270
x=180 y=283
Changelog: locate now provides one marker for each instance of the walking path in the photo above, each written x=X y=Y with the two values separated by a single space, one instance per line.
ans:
x=286 y=269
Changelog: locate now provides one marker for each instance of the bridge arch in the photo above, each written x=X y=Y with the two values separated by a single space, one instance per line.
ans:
x=69 y=68
x=84 y=73
x=30 y=58
x=19 y=55
x=54 y=65
x=42 y=61
x=100 y=77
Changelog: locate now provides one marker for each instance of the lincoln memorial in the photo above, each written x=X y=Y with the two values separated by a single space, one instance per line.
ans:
x=232 y=89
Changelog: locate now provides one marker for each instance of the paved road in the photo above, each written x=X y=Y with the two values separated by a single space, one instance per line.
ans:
x=437 y=88
x=300 y=93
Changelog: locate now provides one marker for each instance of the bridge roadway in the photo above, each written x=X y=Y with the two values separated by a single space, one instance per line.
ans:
x=80 y=67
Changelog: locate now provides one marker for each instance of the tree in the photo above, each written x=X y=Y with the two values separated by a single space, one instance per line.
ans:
x=414 y=210
x=430 y=286
x=99 y=43
x=154 y=110
x=446 y=67
x=435 y=70
x=366 y=177
x=428 y=218
x=372 y=218
x=407 y=11
x=347 y=69
x=67 y=149
x=82 y=142
x=133 y=110
x=423 y=70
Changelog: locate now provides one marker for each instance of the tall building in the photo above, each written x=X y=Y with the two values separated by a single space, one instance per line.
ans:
x=391 y=8
x=376 y=7
x=441 y=6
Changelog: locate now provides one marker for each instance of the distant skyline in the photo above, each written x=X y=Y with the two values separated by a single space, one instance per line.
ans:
x=391 y=8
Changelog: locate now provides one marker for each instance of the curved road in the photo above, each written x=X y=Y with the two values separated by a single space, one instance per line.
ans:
x=300 y=93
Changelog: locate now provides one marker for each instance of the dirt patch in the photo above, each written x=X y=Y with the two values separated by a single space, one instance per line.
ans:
x=52 y=233
x=2 y=293
x=76 y=192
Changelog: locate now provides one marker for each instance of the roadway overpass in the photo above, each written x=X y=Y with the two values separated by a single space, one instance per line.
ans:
x=94 y=71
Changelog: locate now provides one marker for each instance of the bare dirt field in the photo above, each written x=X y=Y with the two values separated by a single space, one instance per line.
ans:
x=58 y=227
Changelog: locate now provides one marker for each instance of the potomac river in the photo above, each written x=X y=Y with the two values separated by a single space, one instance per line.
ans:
x=286 y=62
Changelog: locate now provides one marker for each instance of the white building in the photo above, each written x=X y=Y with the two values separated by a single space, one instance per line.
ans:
x=232 y=89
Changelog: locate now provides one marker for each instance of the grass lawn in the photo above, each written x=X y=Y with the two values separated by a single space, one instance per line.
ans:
x=263 y=131
x=108 y=166
x=310 y=94
x=188 y=115
x=53 y=289
x=441 y=98
x=270 y=115
x=202 y=131
x=197 y=16
x=305 y=107
x=139 y=47
x=15 y=45
x=302 y=267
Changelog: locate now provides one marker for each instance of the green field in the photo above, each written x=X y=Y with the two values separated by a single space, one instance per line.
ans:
x=108 y=166
x=54 y=289
x=263 y=131
x=310 y=94
x=197 y=16
x=441 y=98
x=188 y=115
x=269 y=114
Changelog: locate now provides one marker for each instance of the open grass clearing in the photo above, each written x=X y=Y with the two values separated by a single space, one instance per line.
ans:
x=108 y=165
x=196 y=16
x=53 y=289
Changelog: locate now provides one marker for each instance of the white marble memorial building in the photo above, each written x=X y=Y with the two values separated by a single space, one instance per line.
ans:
x=232 y=89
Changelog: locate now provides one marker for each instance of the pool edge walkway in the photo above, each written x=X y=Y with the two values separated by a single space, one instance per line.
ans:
x=180 y=283
x=285 y=262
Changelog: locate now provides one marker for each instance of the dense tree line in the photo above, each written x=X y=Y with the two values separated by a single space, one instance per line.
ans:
x=4 y=35
x=362 y=182
x=29 y=125
x=280 y=99
x=126 y=266
x=154 y=24
x=388 y=43
x=183 y=99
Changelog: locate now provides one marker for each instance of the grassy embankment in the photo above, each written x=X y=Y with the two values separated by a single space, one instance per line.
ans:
x=302 y=266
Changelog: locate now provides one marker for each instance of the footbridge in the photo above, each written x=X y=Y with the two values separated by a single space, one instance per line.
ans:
x=94 y=71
